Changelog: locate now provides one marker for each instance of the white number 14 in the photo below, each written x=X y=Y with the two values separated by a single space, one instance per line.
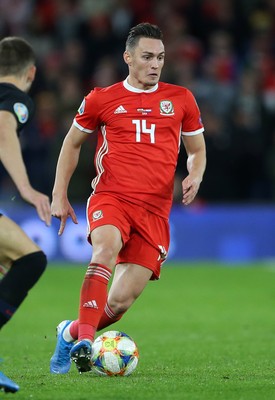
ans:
x=141 y=128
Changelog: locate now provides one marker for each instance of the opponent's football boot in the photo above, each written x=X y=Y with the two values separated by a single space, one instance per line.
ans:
x=7 y=385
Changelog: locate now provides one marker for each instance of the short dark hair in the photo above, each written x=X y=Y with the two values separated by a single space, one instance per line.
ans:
x=16 y=54
x=145 y=29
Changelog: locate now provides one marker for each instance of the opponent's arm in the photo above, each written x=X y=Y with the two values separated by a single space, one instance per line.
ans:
x=66 y=165
x=11 y=158
x=196 y=163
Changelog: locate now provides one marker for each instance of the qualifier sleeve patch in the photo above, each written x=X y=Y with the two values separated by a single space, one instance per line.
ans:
x=21 y=112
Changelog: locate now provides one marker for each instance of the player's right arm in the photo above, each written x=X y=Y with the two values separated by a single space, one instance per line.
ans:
x=66 y=165
x=12 y=160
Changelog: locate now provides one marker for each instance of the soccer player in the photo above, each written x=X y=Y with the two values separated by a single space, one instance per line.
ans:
x=19 y=255
x=139 y=123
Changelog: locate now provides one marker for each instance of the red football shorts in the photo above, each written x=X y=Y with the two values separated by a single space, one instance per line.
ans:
x=145 y=235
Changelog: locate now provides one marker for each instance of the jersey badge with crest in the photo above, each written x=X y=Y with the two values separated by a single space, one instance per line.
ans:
x=97 y=215
x=166 y=107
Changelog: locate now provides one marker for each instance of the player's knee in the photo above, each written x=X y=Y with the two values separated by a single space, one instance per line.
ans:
x=105 y=256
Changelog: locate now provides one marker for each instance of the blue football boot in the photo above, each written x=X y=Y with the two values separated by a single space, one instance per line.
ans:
x=61 y=360
x=81 y=354
x=7 y=385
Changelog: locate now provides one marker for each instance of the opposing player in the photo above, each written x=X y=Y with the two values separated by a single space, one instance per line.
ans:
x=19 y=255
x=140 y=123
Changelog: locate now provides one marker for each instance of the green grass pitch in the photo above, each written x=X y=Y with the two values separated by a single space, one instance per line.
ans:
x=204 y=331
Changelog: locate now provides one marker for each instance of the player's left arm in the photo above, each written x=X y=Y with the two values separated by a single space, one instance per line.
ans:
x=196 y=163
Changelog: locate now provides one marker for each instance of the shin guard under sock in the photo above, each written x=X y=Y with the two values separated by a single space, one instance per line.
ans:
x=20 y=278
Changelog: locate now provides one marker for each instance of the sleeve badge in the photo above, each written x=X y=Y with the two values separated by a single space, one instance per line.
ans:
x=21 y=112
x=81 y=108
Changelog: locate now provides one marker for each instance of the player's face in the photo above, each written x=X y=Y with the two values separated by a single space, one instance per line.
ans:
x=145 y=63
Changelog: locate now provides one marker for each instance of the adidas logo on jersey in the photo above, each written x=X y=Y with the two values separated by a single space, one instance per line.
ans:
x=120 y=110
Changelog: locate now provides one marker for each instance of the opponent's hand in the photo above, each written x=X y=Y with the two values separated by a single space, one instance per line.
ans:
x=40 y=201
x=190 y=187
x=62 y=209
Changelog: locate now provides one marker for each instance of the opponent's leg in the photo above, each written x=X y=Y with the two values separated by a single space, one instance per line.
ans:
x=25 y=263
x=14 y=242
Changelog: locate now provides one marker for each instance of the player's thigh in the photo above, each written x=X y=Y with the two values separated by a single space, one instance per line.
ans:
x=14 y=243
x=128 y=283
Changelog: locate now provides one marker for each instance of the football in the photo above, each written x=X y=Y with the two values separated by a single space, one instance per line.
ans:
x=114 y=353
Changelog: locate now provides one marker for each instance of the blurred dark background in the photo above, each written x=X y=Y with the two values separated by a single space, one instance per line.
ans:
x=222 y=50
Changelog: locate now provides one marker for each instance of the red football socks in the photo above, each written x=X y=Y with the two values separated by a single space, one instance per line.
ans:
x=93 y=298
x=107 y=318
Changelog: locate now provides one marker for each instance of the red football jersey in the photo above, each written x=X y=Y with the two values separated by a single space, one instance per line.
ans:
x=139 y=133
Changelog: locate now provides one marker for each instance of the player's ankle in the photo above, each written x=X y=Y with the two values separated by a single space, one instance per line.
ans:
x=66 y=334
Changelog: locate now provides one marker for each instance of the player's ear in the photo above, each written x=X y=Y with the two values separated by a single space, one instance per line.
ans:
x=127 y=57
x=31 y=73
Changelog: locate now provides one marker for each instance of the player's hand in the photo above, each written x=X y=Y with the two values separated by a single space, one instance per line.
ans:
x=40 y=201
x=190 y=187
x=62 y=209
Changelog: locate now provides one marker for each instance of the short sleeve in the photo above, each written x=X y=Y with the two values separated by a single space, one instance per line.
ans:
x=192 y=122
x=87 y=117
x=17 y=103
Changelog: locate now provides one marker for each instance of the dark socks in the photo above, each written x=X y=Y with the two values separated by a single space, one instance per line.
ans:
x=20 y=278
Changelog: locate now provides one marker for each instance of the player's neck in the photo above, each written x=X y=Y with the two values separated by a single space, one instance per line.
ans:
x=139 y=87
x=18 y=82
